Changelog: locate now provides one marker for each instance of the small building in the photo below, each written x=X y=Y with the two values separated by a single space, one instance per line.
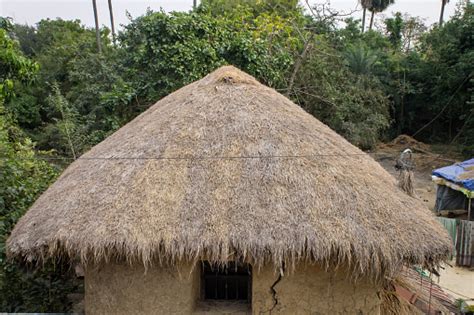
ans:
x=455 y=189
x=455 y=206
x=227 y=197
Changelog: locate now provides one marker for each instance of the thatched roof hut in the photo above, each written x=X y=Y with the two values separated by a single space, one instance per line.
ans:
x=227 y=167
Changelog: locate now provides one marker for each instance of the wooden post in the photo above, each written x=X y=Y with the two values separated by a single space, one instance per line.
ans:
x=469 y=208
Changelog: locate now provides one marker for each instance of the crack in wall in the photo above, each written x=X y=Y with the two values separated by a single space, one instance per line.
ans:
x=273 y=291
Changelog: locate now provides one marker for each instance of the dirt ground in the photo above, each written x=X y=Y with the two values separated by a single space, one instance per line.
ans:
x=426 y=159
x=458 y=282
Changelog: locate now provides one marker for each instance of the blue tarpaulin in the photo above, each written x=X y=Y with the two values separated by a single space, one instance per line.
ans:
x=453 y=173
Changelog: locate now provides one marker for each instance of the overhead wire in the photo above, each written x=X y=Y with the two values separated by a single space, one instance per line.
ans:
x=235 y=157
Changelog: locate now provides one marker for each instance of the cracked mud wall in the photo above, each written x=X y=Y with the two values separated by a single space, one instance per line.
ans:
x=312 y=290
x=124 y=289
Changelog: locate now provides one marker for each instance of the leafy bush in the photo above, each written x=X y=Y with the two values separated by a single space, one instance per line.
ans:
x=23 y=177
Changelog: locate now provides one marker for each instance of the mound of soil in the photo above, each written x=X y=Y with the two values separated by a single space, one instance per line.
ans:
x=403 y=142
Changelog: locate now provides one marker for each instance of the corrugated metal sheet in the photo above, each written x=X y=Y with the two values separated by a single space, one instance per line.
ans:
x=462 y=234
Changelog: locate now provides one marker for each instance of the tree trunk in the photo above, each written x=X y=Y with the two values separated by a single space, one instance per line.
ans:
x=443 y=3
x=401 y=125
x=97 y=32
x=298 y=64
x=194 y=4
x=112 y=24
x=371 y=20
x=363 y=19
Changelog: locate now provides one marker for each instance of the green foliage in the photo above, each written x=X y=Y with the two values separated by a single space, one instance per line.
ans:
x=22 y=178
x=25 y=107
x=360 y=59
x=343 y=94
x=67 y=124
x=163 y=52
x=404 y=32
x=60 y=44
x=394 y=29
x=27 y=38
x=71 y=68
x=463 y=307
x=380 y=5
x=439 y=73
x=283 y=8
x=13 y=66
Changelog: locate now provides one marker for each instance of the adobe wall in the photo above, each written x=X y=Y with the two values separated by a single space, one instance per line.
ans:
x=122 y=289
x=312 y=290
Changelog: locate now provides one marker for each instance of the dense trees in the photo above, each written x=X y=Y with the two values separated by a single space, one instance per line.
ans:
x=59 y=95
x=158 y=52
x=23 y=176
x=179 y=48
x=432 y=83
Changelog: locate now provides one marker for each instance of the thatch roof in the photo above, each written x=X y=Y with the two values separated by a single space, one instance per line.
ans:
x=226 y=167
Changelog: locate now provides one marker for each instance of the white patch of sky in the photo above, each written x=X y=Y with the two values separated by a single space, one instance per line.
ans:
x=32 y=11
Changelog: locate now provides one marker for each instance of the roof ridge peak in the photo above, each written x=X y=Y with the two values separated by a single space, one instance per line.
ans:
x=230 y=75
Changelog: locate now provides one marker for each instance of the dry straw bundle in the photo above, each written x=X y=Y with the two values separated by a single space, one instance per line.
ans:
x=425 y=296
x=406 y=165
x=405 y=182
x=228 y=168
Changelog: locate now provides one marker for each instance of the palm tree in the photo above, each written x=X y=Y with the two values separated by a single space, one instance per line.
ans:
x=366 y=4
x=97 y=32
x=360 y=59
x=443 y=4
x=112 y=20
x=377 y=7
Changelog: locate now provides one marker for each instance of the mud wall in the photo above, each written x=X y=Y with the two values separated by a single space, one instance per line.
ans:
x=312 y=290
x=122 y=289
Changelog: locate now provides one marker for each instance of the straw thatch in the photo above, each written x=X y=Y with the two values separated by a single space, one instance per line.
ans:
x=406 y=165
x=226 y=167
x=405 y=182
